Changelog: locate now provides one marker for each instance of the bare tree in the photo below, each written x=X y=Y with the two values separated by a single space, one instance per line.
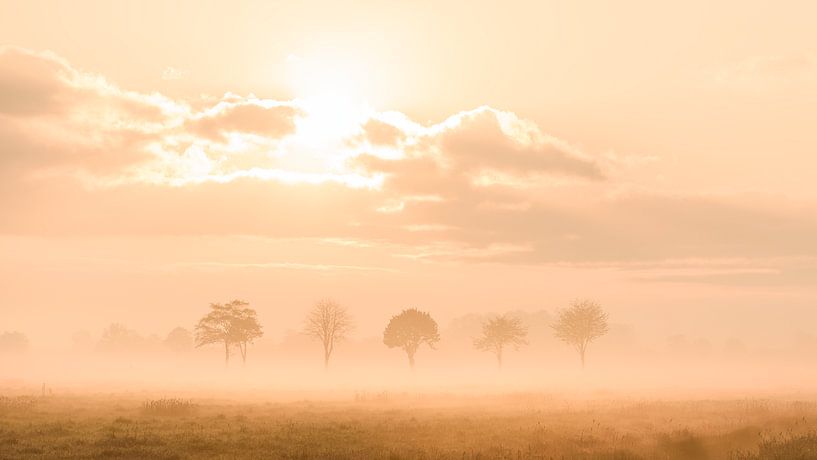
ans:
x=499 y=332
x=409 y=330
x=581 y=323
x=233 y=324
x=329 y=322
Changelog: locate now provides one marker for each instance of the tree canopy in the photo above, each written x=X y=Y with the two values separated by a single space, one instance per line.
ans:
x=499 y=332
x=233 y=324
x=409 y=330
x=581 y=323
x=329 y=322
x=179 y=340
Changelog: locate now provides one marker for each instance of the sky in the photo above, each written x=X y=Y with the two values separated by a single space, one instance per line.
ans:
x=159 y=156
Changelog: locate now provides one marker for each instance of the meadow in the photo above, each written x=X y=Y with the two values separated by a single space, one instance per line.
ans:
x=405 y=425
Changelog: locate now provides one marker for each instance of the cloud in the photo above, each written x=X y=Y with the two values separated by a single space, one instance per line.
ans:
x=759 y=273
x=476 y=157
x=249 y=116
x=55 y=117
x=478 y=141
x=64 y=121
x=488 y=139
x=82 y=156
x=330 y=268
x=382 y=133
x=32 y=84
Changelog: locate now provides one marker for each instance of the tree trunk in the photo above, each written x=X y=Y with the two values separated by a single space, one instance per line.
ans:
x=499 y=357
x=326 y=360
x=411 y=359
x=243 y=348
x=581 y=353
x=226 y=353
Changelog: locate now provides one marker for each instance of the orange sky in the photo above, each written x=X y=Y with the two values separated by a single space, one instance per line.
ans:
x=159 y=156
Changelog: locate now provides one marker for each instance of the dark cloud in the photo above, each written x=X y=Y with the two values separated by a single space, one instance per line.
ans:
x=381 y=133
x=479 y=142
x=449 y=161
x=52 y=117
x=630 y=228
x=33 y=84
x=28 y=150
x=245 y=117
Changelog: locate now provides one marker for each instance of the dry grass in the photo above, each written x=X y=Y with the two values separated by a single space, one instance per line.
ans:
x=510 y=427
x=168 y=407
x=16 y=402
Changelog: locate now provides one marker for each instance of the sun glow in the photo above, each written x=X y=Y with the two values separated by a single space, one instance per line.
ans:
x=330 y=90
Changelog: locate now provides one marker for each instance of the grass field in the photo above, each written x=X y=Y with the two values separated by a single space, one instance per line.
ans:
x=407 y=426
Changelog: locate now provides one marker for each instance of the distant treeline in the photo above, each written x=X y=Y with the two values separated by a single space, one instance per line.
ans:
x=234 y=326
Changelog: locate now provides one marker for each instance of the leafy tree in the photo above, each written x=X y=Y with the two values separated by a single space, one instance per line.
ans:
x=246 y=328
x=216 y=327
x=328 y=322
x=179 y=340
x=581 y=323
x=409 y=330
x=13 y=342
x=499 y=332
x=233 y=324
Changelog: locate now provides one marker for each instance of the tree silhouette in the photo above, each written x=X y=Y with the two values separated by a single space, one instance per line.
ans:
x=409 y=330
x=13 y=342
x=118 y=338
x=328 y=322
x=216 y=327
x=499 y=332
x=246 y=327
x=81 y=340
x=179 y=340
x=581 y=323
x=233 y=324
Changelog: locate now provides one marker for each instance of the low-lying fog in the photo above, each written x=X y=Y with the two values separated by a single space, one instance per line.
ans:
x=621 y=362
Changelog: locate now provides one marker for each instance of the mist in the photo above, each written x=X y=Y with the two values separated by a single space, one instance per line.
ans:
x=408 y=230
x=626 y=361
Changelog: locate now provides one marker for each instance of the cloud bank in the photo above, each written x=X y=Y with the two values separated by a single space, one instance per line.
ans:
x=81 y=156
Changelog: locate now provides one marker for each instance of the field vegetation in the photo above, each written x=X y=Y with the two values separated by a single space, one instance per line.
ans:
x=395 y=426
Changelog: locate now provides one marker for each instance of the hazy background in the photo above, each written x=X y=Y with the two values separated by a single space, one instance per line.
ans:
x=457 y=158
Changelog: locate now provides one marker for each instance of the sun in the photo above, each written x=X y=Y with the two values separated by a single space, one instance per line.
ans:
x=331 y=92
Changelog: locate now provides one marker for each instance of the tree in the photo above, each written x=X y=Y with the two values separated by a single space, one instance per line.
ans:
x=13 y=342
x=216 y=327
x=409 y=330
x=179 y=340
x=118 y=338
x=581 y=323
x=81 y=340
x=233 y=324
x=328 y=322
x=499 y=332
x=246 y=328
